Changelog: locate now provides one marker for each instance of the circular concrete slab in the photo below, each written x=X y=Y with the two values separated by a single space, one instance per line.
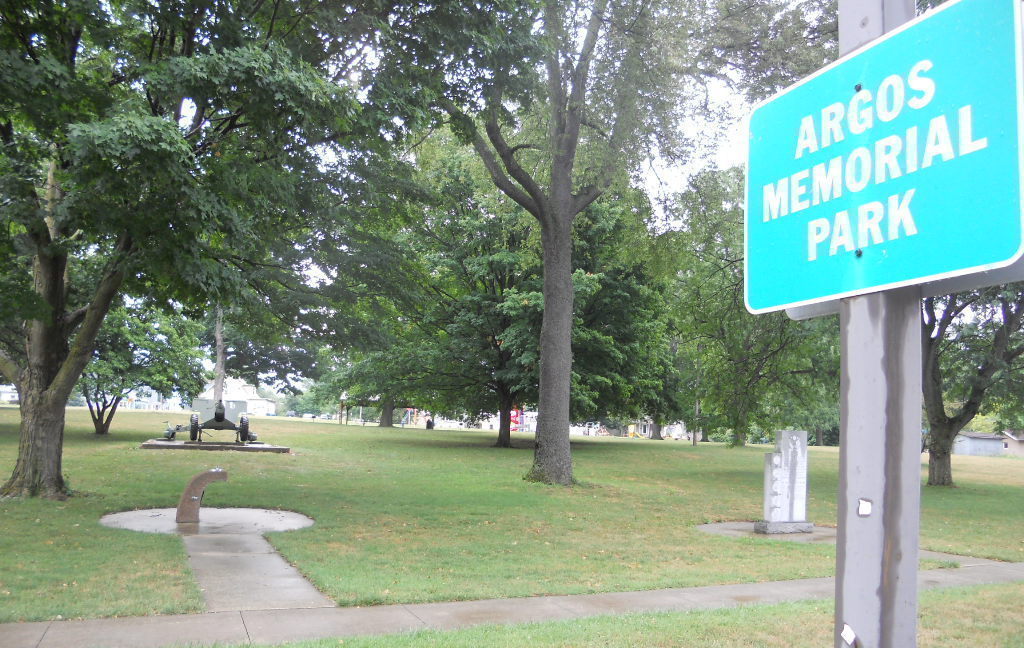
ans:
x=211 y=521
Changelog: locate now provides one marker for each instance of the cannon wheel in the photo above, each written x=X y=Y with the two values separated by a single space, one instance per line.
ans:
x=193 y=427
x=243 y=429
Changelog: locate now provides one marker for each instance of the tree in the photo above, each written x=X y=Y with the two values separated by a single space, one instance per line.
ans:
x=156 y=148
x=766 y=45
x=745 y=362
x=478 y=253
x=973 y=343
x=624 y=359
x=811 y=400
x=611 y=87
x=465 y=310
x=140 y=348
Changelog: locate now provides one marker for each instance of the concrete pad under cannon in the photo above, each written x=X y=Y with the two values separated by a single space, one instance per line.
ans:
x=147 y=632
x=165 y=444
x=279 y=626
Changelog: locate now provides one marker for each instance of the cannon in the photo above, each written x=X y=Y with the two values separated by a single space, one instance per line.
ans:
x=220 y=422
x=172 y=430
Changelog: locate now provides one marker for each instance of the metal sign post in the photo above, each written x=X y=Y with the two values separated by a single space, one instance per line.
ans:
x=879 y=504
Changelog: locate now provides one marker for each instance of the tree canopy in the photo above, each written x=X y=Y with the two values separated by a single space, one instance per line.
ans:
x=175 y=150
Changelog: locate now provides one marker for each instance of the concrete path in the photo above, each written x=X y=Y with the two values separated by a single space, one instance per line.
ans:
x=278 y=626
x=243 y=572
x=235 y=566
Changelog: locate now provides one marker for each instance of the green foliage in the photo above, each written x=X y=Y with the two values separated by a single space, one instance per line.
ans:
x=142 y=347
x=973 y=350
x=462 y=316
x=982 y=343
x=623 y=364
x=770 y=44
x=190 y=190
x=172 y=150
x=767 y=369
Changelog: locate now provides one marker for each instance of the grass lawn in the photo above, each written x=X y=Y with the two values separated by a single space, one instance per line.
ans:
x=407 y=515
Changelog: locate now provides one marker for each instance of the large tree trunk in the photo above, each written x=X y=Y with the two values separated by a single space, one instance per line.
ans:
x=38 y=469
x=819 y=437
x=740 y=423
x=387 y=413
x=53 y=367
x=552 y=460
x=37 y=472
x=697 y=434
x=656 y=432
x=940 y=448
x=102 y=413
x=505 y=405
x=940 y=468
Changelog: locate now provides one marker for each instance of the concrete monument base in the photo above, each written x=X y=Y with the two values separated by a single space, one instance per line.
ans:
x=252 y=446
x=764 y=526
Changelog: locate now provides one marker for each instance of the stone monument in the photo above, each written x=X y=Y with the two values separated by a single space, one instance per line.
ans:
x=785 y=485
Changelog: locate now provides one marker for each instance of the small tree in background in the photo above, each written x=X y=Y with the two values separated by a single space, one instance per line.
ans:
x=141 y=348
x=973 y=356
x=744 y=366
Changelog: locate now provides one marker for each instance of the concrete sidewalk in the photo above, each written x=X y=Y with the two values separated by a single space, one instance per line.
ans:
x=278 y=626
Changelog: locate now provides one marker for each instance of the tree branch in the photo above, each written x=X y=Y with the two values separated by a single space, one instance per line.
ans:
x=494 y=168
x=81 y=350
x=507 y=155
x=74 y=318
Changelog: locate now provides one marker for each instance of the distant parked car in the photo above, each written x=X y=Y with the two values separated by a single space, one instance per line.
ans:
x=309 y=416
x=290 y=413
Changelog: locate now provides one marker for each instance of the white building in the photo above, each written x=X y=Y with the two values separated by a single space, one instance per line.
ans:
x=243 y=395
x=1013 y=443
x=8 y=394
x=147 y=399
x=978 y=444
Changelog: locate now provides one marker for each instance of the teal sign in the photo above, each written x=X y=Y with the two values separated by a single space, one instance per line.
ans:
x=897 y=165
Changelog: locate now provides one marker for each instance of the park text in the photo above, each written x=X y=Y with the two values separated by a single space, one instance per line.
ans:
x=943 y=138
